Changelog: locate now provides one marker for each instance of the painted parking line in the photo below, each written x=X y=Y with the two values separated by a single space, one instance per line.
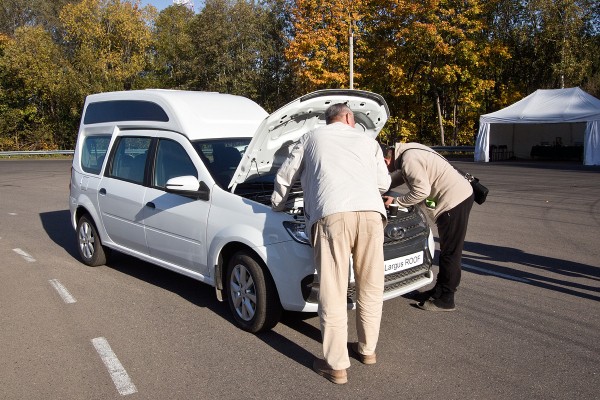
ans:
x=62 y=291
x=24 y=254
x=117 y=373
x=498 y=274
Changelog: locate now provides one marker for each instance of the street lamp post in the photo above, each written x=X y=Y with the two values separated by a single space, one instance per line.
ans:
x=351 y=50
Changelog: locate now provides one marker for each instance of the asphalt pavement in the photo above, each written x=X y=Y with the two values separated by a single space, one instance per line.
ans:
x=527 y=324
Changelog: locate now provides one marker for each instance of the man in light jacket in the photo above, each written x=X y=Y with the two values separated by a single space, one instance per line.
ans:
x=343 y=175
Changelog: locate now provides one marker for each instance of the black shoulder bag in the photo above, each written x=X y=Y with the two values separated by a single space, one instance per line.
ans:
x=480 y=192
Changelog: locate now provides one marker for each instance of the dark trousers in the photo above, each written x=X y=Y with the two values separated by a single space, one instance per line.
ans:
x=452 y=229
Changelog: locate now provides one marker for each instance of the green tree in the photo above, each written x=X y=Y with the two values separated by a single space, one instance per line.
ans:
x=231 y=47
x=173 y=48
x=561 y=29
x=18 y=13
x=276 y=79
x=550 y=43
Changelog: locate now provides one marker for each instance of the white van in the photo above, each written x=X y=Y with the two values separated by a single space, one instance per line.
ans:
x=183 y=180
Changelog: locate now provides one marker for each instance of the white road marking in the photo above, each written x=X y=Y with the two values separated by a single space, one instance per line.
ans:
x=12 y=213
x=490 y=272
x=25 y=255
x=62 y=291
x=118 y=374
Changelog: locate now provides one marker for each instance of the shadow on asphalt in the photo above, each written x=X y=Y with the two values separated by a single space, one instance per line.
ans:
x=486 y=252
x=290 y=349
x=203 y=295
x=58 y=227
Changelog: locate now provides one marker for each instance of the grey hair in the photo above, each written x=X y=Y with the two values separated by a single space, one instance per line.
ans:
x=335 y=111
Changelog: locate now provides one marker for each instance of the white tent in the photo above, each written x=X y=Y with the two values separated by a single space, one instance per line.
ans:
x=570 y=117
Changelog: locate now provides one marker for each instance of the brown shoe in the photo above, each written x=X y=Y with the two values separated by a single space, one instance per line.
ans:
x=363 y=358
x=338 y=376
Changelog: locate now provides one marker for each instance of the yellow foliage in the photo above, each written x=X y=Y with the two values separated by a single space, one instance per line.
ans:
x=319 y=52
x=110 y=39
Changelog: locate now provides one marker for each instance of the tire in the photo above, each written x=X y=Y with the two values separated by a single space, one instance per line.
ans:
x=252 y=295
x=90 y=248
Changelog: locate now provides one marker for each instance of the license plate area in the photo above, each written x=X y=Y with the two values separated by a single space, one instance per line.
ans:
x=405 y=262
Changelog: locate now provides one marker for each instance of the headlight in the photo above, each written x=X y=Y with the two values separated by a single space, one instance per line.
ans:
x=297 y=231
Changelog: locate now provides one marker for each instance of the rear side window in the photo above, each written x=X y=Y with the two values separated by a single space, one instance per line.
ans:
x=129 y=162
x=124 y=110
x=93 y=153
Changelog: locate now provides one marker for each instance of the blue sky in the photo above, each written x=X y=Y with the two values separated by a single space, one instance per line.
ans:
x=162 y=4
x=159 y=4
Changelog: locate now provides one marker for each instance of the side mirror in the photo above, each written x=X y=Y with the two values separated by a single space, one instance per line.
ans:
x=188 y=186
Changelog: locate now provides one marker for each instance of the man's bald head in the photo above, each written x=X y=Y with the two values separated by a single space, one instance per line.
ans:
x=339 y=112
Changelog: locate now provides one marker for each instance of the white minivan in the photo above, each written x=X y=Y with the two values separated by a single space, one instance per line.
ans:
x=183 y=180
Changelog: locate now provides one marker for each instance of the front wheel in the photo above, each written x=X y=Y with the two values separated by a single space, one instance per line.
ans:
x=252 y=295
x=88 y=243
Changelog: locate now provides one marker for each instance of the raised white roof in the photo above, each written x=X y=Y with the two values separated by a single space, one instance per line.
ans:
x=198 y=115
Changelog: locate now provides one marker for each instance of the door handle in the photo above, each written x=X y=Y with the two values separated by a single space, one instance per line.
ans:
x=102 y=191
x=150 y=204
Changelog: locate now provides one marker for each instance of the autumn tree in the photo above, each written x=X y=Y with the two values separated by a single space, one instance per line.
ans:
x=36 y=87
x=438 y=63
x=319 y=51
x=107 y=42
x=427 y=58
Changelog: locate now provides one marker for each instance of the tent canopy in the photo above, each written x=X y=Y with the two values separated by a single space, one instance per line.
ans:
x=554 y=113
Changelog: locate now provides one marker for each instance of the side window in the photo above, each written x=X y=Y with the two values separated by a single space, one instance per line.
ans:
x=171 y=160
x=221 y=157
x=93 y=153
x=129 y=162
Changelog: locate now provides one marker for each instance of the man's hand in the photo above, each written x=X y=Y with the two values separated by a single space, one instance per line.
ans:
x=387 y=200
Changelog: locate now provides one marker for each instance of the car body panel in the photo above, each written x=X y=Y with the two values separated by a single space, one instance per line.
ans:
x=121 y=206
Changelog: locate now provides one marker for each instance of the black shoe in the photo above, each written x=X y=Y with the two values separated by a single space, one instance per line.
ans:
x=436 y=305
x=422 y=296
x=433 y=294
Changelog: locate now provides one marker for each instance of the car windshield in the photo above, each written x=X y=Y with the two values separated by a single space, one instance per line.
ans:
x=221 y=157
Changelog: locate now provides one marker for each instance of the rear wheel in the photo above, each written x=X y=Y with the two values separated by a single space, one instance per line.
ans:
x=88 y=243
x=252 y=295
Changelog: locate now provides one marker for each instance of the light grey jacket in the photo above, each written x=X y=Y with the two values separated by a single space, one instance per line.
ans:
x=340 y=168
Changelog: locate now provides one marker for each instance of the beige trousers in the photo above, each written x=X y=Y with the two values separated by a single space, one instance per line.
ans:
x=335 y=238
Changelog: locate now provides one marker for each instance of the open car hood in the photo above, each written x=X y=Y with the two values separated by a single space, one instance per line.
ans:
x=273 y=140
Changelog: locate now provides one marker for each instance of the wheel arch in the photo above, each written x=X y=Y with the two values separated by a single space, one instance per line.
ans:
x=225 y=255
